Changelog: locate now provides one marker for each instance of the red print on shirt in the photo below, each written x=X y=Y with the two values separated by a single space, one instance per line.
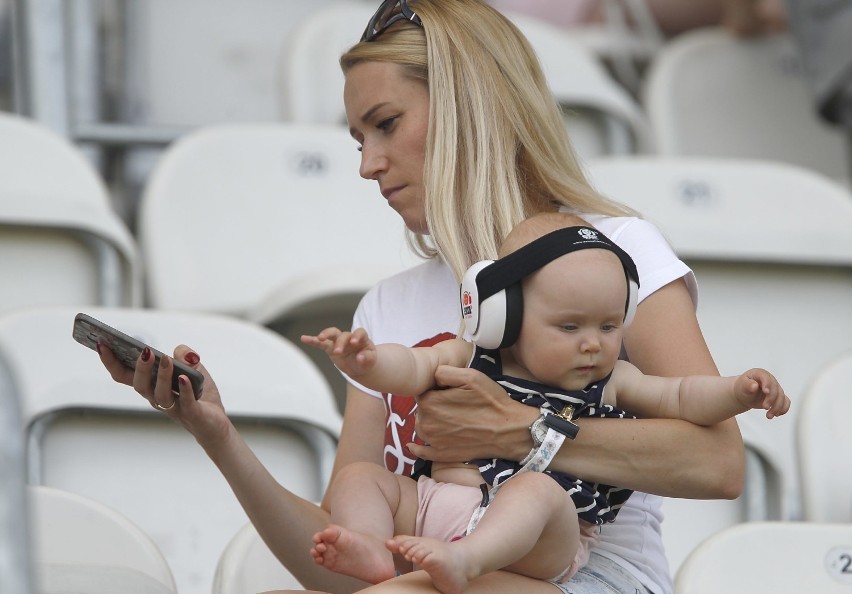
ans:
x=399 y=423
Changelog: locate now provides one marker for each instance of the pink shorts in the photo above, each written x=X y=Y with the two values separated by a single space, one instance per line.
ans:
x=444 y=511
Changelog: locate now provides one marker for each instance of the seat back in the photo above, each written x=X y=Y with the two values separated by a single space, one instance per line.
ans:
x=277 y=225
x=688 y=522
x=824 y=442
x=15 y=566
x=709 y=93
x=770 y=557
x=81 y=545
x=771 y=279
x=256 y=207
x=247 y=565
x=88 y=435
x=601 y=116
x=311 y=56
x=60 y=239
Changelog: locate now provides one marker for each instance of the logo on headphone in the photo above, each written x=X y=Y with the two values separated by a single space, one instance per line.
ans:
x=588 y=234
x=467 y=302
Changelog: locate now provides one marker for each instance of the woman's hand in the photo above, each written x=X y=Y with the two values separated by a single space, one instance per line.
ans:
x=205 y=418
x=470 y=417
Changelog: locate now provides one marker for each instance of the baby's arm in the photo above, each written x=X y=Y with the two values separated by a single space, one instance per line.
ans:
x=388 y=367
x=703 y=400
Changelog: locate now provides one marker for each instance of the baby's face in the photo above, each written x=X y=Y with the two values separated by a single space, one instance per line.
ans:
x=573 y=319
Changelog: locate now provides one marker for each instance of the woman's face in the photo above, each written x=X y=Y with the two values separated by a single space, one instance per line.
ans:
x=388 y=115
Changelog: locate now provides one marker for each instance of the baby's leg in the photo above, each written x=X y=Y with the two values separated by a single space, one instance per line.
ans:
x=530 y=528
x=369 y=504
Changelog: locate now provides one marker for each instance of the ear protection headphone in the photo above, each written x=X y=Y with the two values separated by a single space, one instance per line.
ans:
x=491 y=296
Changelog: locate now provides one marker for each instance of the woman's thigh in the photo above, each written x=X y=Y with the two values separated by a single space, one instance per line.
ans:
x=599 y=576
x=603 y=576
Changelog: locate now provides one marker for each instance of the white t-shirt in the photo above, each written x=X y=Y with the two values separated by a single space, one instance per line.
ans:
x=420 y=306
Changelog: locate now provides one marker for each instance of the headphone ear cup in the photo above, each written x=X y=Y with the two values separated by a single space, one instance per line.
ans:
x=632 y=302
x=514 y=315
x=471 y=309
x=496 y=322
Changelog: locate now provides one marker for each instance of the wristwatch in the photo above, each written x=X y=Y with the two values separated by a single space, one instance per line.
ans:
x=561 y=422
x=538 y=431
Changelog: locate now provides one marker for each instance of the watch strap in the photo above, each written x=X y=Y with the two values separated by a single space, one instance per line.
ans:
x=564 y=426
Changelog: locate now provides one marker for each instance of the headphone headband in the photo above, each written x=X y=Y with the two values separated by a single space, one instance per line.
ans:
x=537 y=254
x=492 y=301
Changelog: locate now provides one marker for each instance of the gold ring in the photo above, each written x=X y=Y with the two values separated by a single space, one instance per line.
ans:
x=169 y=407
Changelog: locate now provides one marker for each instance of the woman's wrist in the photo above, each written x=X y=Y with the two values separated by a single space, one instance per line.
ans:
x=516 y=439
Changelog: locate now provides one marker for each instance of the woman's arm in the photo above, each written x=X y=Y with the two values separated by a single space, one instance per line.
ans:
x=474 y=418
x=285 y=521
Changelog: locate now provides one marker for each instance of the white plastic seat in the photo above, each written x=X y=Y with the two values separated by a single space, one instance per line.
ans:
x=247 y=565
x=264 y=221
x=771 y=247
x=15 y=566
x=256 y=206
x=60 y=239
x=311 y=55
x=687 y=522
x=81 y=545
x=601 y=116
x=711 y=94
x=91 y=436
x=771 y=557
x=824 y=443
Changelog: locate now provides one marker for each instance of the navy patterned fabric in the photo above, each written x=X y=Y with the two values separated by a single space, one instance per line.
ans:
x=596 y=503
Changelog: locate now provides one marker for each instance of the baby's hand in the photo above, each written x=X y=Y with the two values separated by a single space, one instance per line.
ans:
x=757 y=388
x=353 y=353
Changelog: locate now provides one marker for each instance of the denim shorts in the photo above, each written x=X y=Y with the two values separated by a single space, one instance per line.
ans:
x=602 y=576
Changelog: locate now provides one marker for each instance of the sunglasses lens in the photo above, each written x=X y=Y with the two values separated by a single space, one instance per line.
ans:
x=380 y=20
x=390 y=12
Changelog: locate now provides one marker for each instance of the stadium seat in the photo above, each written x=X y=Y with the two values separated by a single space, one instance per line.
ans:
x=60 y=239
x=771 y=557
x=824 y=442
x=601 y=116
x=247 y=565
x=88 y=435
x=687 y=522
x=269 y=222
x=81 y=545
x=711 y=94
x=771 y=248
x=15 y=565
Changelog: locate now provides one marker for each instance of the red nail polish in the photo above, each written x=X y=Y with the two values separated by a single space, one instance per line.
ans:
x=182 y=380
x=146 y=354
x=192 y=358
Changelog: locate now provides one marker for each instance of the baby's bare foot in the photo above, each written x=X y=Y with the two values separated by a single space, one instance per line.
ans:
x=354 y=554
x=449 y=569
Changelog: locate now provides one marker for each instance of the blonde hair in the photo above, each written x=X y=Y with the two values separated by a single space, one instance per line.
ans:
x=497 y=149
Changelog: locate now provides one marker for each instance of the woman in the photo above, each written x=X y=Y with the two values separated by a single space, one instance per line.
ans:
x=457 y=126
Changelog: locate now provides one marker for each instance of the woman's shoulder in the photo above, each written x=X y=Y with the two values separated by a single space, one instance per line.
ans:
x=433 y=274
x=656 y=261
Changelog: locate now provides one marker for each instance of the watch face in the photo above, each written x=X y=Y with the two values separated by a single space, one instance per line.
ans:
x=538 y=431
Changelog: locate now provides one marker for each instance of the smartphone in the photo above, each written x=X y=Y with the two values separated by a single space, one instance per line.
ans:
x=89 y=332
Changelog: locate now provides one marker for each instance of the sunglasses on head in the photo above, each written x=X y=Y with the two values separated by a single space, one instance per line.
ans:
x=390 y=12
